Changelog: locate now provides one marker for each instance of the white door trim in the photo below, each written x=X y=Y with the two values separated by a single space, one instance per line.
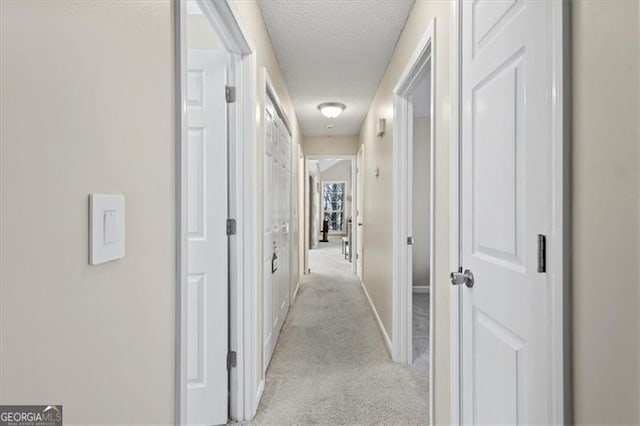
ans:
x=354 y=194
x=558 y=250
x=242 y=206
x=422 y=58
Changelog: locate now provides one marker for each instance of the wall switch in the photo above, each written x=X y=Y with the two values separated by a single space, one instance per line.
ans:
x=109 y=227
x=106 y=227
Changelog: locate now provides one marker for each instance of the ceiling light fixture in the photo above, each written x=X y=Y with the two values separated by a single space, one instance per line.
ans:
x=331 y=109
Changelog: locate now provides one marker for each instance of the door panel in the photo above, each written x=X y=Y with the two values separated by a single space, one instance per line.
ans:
x=504 y=206
x=277 y=207
x=207 y=284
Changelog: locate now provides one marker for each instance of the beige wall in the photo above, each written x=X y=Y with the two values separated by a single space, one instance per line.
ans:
x=251 y=17
x=606 y=322
x=331 y=145
x=421 y=200
x=378 y=211
x=87 y=106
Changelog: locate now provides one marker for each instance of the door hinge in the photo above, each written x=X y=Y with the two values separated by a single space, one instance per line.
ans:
x=542 y=253
x=231 y=227
x=232 y=360
x=230 y=94
x=409 y=241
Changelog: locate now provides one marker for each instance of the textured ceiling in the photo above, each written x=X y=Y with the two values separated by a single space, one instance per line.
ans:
x=333 y=51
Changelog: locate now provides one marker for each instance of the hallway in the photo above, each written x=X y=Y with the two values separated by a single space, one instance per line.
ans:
x=330 y=365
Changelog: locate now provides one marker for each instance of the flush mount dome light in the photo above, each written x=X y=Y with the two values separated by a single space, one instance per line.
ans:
x=331 y=109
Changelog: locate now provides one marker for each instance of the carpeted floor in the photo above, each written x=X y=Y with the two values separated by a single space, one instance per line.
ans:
x=421 y=329
x=330 y=365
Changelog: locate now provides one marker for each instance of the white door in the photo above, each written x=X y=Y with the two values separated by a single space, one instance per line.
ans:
x=207 y=303
x=505 y=203
x=359 y=209
x=270 y=242
x=277 y=224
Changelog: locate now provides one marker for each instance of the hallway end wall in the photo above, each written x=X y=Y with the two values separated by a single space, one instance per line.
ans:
x=331 y=145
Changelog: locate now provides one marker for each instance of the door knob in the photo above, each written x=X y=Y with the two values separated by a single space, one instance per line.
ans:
x=466 y=278
x=359 y=223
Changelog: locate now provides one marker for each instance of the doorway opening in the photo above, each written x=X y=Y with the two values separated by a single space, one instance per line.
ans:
x=215 y=213
x=331 y=209
x=414 y=207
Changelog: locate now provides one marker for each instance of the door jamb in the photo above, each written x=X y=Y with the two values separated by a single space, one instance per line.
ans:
x=423 y=57
x=559 y=248
x=243 y=199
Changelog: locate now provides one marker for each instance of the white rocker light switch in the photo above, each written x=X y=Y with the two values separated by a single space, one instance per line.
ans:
x=106 y=227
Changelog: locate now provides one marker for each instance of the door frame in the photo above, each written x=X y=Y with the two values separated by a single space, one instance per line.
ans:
x=422 y=58
x=242 y=204
x=359 y=248
x=559 y=240
x=354 y=189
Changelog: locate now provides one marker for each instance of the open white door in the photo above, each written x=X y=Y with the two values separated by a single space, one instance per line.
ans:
x=359 y=209
x=207 y=302
x=508 y=347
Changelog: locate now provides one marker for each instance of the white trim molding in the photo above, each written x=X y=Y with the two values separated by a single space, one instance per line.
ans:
x=559 y=248
x=454 y=214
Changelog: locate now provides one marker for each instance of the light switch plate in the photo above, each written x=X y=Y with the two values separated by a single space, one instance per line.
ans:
x=106 y=227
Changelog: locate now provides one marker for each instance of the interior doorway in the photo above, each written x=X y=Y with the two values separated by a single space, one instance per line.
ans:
x=359 y=222
x=414 y=206
x=215 y=199
x=331 y=206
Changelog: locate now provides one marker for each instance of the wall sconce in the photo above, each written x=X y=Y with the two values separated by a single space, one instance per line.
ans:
x=380 y=127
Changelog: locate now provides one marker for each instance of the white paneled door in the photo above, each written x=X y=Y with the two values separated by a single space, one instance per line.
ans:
x=207 y=303
x=277 y=225
x=506 y=373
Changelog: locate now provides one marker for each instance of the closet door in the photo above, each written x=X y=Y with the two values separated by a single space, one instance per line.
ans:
x=270 y=227
x=277 y=225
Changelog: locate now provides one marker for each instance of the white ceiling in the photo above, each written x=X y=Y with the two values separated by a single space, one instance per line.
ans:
x=333 y=51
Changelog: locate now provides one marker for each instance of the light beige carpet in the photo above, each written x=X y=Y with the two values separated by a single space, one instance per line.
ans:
x=331 y=365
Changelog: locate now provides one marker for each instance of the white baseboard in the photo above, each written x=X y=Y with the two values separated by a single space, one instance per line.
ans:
x=421 y=289
x=256 y=403
x=387 y=341
x=295 y=292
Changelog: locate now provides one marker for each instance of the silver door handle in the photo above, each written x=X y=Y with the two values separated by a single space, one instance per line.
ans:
x=359 y=223
x=466 y=278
